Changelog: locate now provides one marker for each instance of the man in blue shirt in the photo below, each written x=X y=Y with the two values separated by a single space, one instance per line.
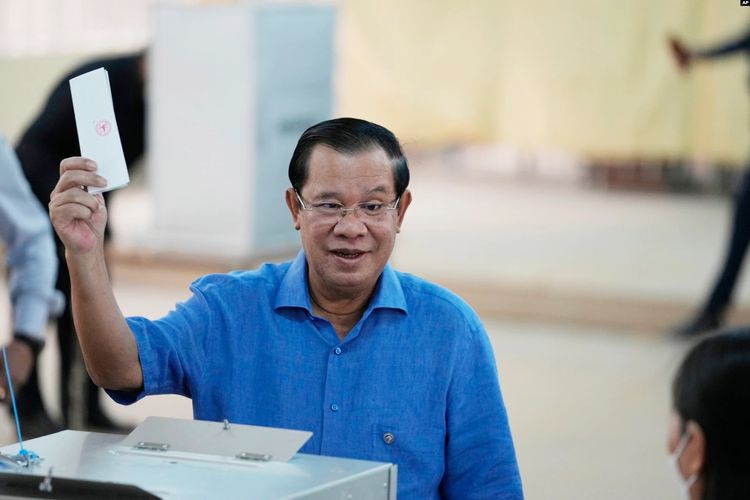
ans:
x=378 y=364
x=32 y=266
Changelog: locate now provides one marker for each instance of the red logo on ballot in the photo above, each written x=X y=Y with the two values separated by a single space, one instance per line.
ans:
x=103 y=127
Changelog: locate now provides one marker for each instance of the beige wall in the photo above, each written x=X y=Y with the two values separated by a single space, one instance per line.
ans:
x=26 y=82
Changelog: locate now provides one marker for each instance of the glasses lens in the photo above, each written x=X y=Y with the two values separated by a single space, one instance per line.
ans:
x=336 y=210
x=327 y=209
x=372 y=209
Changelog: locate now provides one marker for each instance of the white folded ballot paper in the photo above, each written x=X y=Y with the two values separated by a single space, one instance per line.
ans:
x=98 y=135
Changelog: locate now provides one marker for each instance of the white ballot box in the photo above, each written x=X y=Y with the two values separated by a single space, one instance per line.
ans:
x=230 y=90
x=203 y=460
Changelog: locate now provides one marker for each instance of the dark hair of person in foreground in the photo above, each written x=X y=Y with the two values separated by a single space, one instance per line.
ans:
x=712 y=389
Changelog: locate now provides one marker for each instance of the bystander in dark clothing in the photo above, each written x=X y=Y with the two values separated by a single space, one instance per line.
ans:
x=711 y=314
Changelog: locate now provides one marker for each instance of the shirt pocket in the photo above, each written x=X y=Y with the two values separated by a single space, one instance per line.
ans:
x=418 y=450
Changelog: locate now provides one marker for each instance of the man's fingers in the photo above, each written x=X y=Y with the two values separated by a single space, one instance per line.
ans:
x=75 y=179
x=78 y=197
x=66 y=213
x=73 y=204
x=77 y=163
x=70 y=213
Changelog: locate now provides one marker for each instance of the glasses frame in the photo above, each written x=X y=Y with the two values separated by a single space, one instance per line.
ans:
x=344 y=210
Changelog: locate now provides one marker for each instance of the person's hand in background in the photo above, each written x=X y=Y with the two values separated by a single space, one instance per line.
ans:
x=682 y=55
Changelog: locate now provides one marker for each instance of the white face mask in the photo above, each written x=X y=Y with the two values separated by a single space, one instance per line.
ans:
x=674 y=465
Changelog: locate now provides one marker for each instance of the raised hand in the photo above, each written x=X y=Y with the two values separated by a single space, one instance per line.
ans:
x=78 y=216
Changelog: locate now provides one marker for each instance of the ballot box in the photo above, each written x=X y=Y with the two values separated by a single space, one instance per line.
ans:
x=231 y=87
x=181 y=459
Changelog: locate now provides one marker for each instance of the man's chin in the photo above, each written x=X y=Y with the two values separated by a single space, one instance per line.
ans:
x=350 y=280
x=353 y=280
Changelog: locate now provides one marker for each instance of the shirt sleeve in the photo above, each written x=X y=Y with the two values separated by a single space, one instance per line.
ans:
x=172 y=350
x=480 y=461
x=31 y=258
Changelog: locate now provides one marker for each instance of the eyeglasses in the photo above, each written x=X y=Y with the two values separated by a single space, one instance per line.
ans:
x=330 y=210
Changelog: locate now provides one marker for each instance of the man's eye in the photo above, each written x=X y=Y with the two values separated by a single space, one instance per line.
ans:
x=371 y=207
x=328 y=206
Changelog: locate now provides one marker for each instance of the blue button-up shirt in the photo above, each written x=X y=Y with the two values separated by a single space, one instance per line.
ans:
x=413 y=383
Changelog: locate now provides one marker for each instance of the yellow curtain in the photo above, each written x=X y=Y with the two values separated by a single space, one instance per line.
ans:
x=589 y=76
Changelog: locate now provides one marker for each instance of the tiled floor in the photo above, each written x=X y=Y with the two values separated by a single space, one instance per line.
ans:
x=576 y=288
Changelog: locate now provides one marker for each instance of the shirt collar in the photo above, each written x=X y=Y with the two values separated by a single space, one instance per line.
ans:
x=293 y=291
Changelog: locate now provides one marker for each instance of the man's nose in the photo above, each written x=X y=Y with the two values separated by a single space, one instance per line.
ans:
x=350 y=224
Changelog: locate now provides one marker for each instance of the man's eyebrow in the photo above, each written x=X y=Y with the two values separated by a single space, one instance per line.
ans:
x=327 y=194
x=336 y=194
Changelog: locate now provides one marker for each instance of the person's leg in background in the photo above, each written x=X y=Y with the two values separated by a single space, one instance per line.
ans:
x=33 y=416
x=712 y=314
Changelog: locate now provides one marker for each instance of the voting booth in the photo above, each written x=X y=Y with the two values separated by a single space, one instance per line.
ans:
x=190 y=459
x=230 y=90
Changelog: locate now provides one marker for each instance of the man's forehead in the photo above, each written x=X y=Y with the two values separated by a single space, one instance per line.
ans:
x=370 y=171
x=375 y=152
x=322 y=191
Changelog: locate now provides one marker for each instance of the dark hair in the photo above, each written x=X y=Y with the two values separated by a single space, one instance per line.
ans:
x=348 y=135
x=712 y=388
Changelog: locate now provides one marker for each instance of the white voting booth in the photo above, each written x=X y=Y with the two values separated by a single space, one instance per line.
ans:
x=231 y=89
x=190 y=459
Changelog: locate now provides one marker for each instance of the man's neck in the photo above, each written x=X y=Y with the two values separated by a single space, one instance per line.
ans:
x=342 y=312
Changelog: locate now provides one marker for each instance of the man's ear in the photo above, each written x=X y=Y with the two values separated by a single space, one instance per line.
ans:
x=694 y=455
x=403 y=204
x=293 y=205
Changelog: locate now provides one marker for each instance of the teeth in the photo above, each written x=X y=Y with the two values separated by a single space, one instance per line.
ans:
x=348 y=254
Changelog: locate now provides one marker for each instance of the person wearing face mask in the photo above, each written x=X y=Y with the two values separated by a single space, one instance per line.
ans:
x=710 y=431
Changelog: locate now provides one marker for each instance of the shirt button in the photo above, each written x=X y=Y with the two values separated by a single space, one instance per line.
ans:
x=337 y=350
x=388 y=438
x=334 y=407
